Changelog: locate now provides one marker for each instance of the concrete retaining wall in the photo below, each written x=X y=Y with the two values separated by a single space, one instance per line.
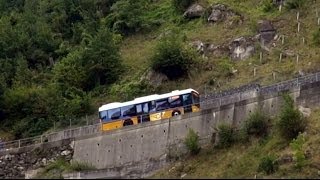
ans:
x=155 y=140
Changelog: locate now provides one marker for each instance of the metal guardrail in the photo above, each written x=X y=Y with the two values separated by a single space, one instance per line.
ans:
x=206 y=103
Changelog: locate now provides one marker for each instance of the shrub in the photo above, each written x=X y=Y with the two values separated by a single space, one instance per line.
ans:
x=295 y=4
x=268 y=165
x=126 y=16
x=298 y=154
x=192 y=143
x=182 y=5
x=256 y=124
x=291 y=121
x=268 y=6
x=80 y=166
x=224 y=67
x=226 y=135
x=171 y=57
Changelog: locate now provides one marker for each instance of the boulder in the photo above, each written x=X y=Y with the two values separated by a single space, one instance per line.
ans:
x=284 y=159
x=198 y=45
x=154 y=78
x=65 y=153
x=241 y=48
x=267 y=32
x=194 y=11
x=221 y=12
x=305 y=111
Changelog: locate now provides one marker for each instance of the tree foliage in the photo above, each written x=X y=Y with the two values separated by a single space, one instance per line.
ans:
x=291 y=121
x=171 y=57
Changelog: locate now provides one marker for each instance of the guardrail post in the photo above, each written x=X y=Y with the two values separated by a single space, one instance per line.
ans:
x=19 y=143
x=41 y=141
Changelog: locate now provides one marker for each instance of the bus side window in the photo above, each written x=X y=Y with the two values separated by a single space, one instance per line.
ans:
x=139 y=109
x=145 y=108
x=104 y=115
x=175 y=101
x=162 y=104
x=114 y=113
x=128 y=111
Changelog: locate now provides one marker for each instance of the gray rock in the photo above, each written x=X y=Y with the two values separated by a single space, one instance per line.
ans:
x=194 y=11
x=284 y=159
x=154 y=78
x=267 y=32
x=198 y=45
x=241 y=48
x=305 y=111
x=221 y=12
x=8 y=157
x=65 y=153
x=44 y=161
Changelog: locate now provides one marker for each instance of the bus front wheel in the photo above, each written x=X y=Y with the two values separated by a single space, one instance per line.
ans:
x=128 y=122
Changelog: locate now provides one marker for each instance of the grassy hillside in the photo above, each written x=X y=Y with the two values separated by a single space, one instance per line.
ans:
x=82 y=54
x=137 y=49
x=242 y=160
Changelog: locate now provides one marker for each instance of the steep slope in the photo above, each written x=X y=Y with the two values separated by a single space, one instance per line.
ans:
x=242 y=160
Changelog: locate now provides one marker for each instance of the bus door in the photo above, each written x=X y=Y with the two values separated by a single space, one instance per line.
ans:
x=187 y=102
x=143 y=112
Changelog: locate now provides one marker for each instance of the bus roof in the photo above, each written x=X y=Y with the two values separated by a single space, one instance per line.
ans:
x=144 y=99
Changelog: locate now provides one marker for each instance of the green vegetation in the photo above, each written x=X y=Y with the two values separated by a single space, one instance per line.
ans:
x=61 y=60
x=298 y=153
x=267 y=157
x=267 y=164
x=256 y=124
x=295 y=4
x=192 y=143
x=226 y=135
x=171 y=57
x=291 y=121
x=181 y=5
x=54 y=170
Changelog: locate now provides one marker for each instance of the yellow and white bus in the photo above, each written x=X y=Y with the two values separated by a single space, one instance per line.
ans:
x=148 y=108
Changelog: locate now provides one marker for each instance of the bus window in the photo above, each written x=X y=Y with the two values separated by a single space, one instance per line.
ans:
x=187 y=100
x=128 y=111
x=162 y=104
x=114 y=113
x=196 y=98
x=175 y=101
x=139 y=108
x=104 y=115
x=145 y=108
x=152 y=106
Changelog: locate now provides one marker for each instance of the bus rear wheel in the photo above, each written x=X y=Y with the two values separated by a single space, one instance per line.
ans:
x=176 y=113
x=128 y=122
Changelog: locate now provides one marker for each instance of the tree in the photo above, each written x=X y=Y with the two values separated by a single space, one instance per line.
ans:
x=171 y=58
x=102 y=60
x=291 y=121
x=127 y=16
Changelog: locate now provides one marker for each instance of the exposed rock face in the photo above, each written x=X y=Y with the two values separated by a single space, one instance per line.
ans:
x=238 y=49
x=241 y=48
x=194 y=11
x=305 y=111
x=154 y=78
x=221 y=12
x=17 y=165
x=267 y=32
